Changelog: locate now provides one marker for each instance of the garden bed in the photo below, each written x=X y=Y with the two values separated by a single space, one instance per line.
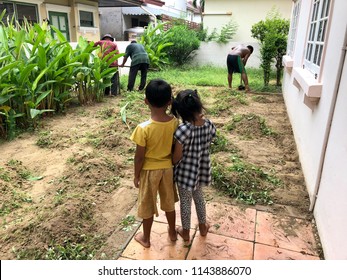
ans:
x=67 y=191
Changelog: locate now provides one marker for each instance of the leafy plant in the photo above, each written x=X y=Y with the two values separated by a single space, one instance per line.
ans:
x=69 y=251
x=40 y=75
x=272 y=34
x=219 y=143
x=185 y=41
x=128 y=223
x=156 y=40
x=123 y=114
x=227 y=32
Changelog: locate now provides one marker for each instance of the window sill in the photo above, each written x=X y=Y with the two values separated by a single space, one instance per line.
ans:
x=85 y=30
x=305 y=81
x=287 y=62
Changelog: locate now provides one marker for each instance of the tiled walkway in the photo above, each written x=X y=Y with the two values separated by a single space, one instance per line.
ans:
x=235 y=234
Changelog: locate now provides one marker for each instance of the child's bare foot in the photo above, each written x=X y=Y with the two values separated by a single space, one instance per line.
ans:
x=140 y=238
x=184 y=233
x=203 y=228
x=172 y=234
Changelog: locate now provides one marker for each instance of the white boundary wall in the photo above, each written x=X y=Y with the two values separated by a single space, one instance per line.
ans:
x=215 y=54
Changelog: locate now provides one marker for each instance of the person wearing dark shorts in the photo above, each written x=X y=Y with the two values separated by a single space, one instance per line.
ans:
x=236 y=61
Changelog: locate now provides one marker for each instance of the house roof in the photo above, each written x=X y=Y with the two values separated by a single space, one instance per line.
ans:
x=120 y=3
x=128 y=3
x=139 y=11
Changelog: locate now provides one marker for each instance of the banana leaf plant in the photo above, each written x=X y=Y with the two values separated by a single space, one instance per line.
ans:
x=155 y=40
x=39 y=75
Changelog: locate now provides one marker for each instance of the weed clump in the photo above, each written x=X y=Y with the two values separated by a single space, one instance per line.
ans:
x=244 y=181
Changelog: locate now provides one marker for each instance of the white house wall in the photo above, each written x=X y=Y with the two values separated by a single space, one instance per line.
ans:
x=311 y=127
x=331 y=206
x=112 y=22
x=244 y=13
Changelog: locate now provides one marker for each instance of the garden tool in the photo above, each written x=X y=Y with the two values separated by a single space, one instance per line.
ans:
x=241 y=86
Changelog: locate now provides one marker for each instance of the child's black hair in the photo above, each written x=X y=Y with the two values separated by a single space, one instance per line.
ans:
x=186 y=105
x=158 y=93
x=250 y=48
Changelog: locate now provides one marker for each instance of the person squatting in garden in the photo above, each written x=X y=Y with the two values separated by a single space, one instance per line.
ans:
x=153 y=172
x=191 y=158
x=107 y=46
x=236 y=62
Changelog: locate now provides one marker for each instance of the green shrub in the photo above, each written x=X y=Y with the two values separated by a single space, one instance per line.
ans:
x=185 y=41
x=272 y=35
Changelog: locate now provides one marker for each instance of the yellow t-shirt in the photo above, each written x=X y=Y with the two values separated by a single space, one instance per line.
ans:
x=157 y=138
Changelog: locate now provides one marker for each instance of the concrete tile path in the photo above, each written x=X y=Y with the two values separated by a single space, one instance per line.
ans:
x=236 y=233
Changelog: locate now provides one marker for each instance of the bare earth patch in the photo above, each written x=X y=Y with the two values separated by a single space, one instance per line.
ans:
x=66 y=189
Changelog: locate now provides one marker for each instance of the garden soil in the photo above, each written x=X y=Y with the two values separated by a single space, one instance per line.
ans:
x=67 y=188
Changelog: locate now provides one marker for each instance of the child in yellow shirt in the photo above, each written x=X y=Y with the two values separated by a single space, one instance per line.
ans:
x=153 y=172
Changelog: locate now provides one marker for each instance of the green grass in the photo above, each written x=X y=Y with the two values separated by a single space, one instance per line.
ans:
x=213 y=76
x=238 y=178
x=82 y=248
x=251 y=126
x=44 y=139
x=187 y=75
x=244 y=182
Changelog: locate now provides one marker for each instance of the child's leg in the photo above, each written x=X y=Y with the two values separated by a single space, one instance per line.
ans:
x=171 y=220
x=144 y=238
x=185 y=207
x=200 y=210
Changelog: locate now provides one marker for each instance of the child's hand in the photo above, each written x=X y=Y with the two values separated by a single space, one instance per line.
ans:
x=137 y=182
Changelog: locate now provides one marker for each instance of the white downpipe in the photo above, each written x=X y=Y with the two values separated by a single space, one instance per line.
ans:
x=330 y=119
x=153 y=15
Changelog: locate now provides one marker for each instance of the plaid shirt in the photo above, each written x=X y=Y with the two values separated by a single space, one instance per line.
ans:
x=194 y=169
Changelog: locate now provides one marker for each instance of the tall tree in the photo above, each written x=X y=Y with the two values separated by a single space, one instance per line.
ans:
x=272 y=34
x=201 y=9
x=202 y=4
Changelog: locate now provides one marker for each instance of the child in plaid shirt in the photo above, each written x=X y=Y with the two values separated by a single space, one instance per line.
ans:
x=192 y=158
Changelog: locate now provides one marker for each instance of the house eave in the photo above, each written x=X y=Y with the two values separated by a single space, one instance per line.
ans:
x=120 y=3
x=128 y=3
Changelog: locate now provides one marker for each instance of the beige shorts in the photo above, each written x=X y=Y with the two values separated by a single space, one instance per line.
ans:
x=153 y=182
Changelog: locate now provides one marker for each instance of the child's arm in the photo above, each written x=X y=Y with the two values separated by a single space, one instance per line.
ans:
x=177 y=153
x=138 y=163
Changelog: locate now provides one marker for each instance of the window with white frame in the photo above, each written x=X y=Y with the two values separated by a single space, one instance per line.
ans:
x=19 y=11
x=316 y=37
x=293 y=27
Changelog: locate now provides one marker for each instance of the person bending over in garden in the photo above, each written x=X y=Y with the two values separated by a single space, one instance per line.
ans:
x=236 y=62
x=107 y=46
x=153 y=172
x=139 y=61
x=191 y=158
